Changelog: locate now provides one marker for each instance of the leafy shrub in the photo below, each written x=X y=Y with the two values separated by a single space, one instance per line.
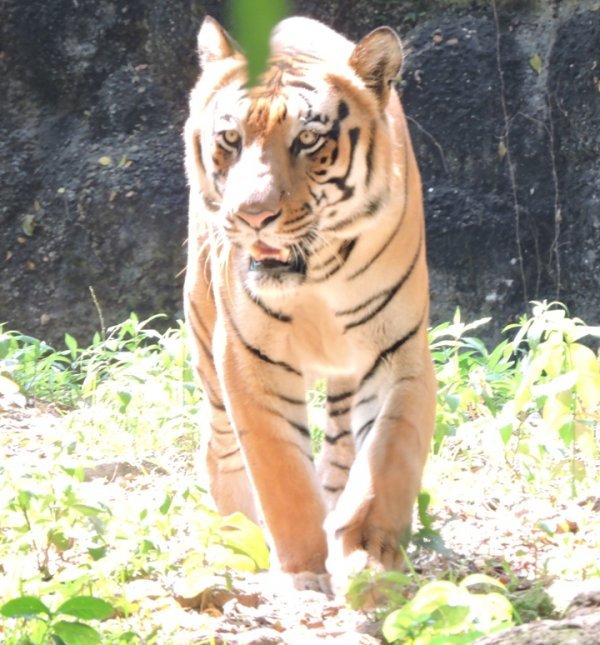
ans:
x=540 y=390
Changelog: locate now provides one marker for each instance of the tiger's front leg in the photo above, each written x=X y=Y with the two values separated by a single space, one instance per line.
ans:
x=373 y=516
x=266 y=402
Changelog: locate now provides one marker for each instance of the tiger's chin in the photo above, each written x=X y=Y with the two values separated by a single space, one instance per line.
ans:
x=272 y=277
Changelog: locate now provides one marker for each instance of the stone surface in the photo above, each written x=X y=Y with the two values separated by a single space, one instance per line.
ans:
x=504 y=112
x=579 y=630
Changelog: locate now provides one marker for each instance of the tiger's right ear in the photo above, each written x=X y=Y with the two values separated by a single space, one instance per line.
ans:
x=377 y=59
x=214 y=43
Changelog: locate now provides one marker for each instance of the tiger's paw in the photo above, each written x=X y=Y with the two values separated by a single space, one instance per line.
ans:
x=356 y=548
x=309 y=581
x=302 y=581
x=344 y=569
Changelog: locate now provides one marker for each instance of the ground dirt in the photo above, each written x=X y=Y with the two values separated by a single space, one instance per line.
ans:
x=482 y=532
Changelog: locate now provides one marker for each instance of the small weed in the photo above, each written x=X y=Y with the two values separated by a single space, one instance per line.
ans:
x=539 y=390
x=55 y=626
x=427 y=537
x=445 y=612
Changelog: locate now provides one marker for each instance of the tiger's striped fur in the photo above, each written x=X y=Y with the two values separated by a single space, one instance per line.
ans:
x=307 y=259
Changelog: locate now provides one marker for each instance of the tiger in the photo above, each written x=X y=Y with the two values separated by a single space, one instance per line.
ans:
x=307 y=262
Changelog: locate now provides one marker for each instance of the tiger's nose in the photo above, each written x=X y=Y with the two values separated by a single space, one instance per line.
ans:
x=257 y=216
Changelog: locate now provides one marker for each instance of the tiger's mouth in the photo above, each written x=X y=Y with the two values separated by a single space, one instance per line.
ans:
x=266 y=259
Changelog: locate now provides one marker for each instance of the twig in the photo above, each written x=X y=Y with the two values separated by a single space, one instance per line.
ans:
x=99 y=310
x=435 y=142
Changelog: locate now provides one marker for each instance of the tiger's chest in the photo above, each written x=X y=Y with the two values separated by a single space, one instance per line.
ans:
x=316 y=335
x=318 y=340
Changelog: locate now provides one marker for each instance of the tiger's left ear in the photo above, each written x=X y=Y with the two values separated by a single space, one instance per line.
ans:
x=214 y=43
x=377 y=59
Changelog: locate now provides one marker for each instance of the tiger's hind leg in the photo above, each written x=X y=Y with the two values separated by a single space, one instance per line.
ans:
x=337 y=450
x=269 y=414
x=229 y=483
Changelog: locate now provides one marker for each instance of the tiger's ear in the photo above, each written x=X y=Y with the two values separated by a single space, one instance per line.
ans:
x=377 y=59
x=214 y=43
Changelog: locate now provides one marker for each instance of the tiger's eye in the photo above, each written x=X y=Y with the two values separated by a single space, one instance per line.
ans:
x=308 y=137
x=232 y=137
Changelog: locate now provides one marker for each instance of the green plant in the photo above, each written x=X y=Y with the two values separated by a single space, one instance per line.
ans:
x=540 y=389
x=556 y=392
x=58 y=541
x=37 y=368
x=41 y=519
x=381 y=590
x=472 y=382
x=427 y=536
x=442 y=612
x=53 y=626
x=226 y=543
x=140 y=381
x=532 y=604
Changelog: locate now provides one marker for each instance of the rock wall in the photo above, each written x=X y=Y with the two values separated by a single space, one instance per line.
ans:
x=506 y=116
x=504 y=110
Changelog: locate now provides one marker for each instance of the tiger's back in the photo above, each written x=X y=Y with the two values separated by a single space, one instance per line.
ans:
x=307 y=259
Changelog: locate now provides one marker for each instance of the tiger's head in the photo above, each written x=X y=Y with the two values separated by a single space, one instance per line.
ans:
x=299 y=163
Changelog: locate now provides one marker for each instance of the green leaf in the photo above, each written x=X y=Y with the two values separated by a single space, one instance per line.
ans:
x=452 y=401
x=449 y=616
x=567 y=433
x=87 y=608
x=402 y=623
x=125 y=399
x=129 y=637
x=423 y=501
x=71 y=344
x=23 y=607
x=78 y=472
x=480 y=579
x=490 y=610
x=252 y=22
x=87 y=510
x=562 y=383
x=24 y=497
x=506 y=432
x=455 y=639
x=557 y=410
x=536 y=63
x=97 y=553
x=166 y=505
x=241 y=534
x=428 y=538
x=59 y=540
x=147 y=546
x=7 y=387
x=435 y=594
x=76 y=633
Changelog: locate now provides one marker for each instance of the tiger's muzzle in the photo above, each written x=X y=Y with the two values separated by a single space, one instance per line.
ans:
x=275 y=262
